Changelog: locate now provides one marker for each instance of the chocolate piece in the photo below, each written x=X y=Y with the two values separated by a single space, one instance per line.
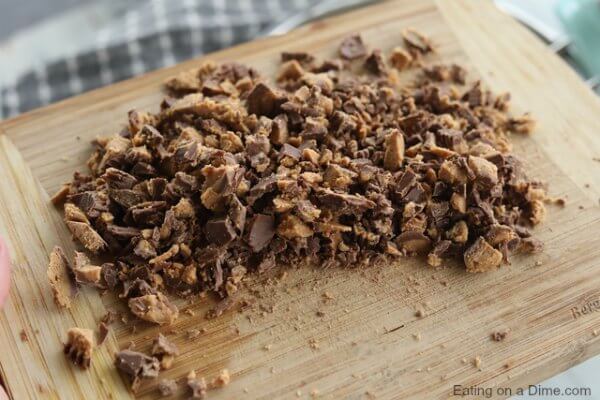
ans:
x=264 y=100
x=482 y=257
x=352 y=48
x=80 y=346
x=109 y=275
x=394 y=150
x=459 y=233
x=440 y=251
x=162 y=346
x=84 y=272
x=292 y=227
x=486 y=173
x=61 y=281
x=344 y=203
x=261 y=230
x=104 y=325
x=337 y=177
x=290 y=151
x=237 y=214
x=330 y=65
x=531 y=245
x=307 y=211
x=61 y=195
x=279 y=129
x=416 y=42
x=290 y=71
x=537 y=212
x=301 y=56
x=136 y=366
x=103 y=331
x=413 y=242
x=219 y=183
x=220 y=231
x=154 y=308
x=87 y=236
x=117 y=179
x=442 y=73
x=400 y=59
x=88 y=275
x=164 y=350
x=523 y=124
x=375 y=63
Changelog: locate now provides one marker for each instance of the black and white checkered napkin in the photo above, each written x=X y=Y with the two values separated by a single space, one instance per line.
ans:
x=149 y=35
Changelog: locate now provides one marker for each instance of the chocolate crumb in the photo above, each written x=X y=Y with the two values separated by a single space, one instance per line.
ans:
x=352 y=47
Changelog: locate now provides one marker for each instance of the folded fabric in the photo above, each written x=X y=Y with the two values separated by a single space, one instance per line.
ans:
x=149 y=35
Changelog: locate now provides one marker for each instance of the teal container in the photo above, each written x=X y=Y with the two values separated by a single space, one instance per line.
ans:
x=581 y=20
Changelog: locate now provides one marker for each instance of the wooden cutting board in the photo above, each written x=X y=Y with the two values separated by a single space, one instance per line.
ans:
x=369 y=343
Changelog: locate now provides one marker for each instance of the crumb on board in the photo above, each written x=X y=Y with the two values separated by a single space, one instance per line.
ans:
x=197 y=385
x=189 y=311
x=192 y=333
x=327 y=296
x=167 y=387
x=499 y=336
x=221 y=380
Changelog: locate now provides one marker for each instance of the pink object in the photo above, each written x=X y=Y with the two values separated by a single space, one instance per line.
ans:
x=4 y=272
x=4 y=285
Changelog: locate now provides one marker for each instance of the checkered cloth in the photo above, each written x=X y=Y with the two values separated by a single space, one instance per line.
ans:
x=149 y=35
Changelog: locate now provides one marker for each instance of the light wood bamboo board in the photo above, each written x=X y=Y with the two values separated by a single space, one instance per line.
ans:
x=370 y=343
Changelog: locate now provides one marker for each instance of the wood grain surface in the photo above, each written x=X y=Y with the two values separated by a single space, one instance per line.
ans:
x=368 y=341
